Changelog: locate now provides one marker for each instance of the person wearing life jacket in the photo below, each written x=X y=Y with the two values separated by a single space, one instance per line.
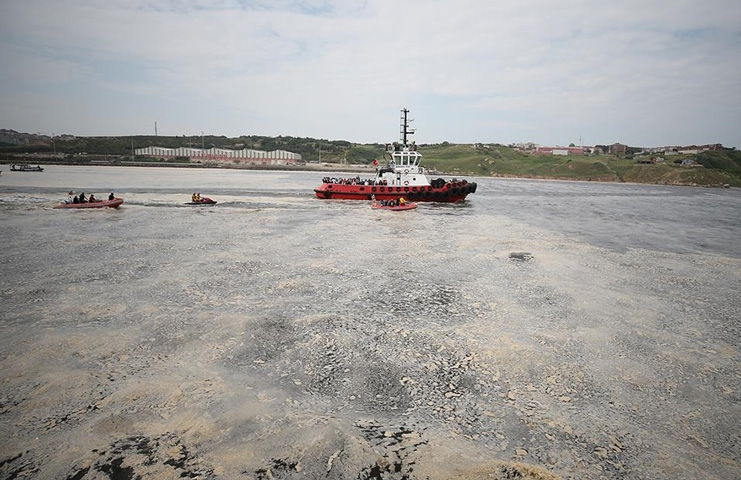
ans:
x=82 y=198
x=92 y=198
x=402 y=201
x=111 y=196
x=198 y=197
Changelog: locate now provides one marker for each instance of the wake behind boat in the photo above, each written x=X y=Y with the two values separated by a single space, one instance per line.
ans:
x=114 y=203
x=402 y=177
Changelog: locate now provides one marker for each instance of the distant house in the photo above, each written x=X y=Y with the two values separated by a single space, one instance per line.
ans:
x=559 y=150
x=690 y=162
x=524 y=146
x=690 y=149
x=618 y=149
x=647 y=161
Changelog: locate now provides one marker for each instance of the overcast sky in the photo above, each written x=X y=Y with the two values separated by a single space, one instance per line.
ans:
x=639 y=72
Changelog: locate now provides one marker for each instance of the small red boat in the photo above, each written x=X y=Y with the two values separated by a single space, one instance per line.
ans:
x=402 y=177
x=396 y=208
x=106 y=203
x=203 y=201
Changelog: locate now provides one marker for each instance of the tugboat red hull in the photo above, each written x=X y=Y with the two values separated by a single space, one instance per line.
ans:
x=451 y=192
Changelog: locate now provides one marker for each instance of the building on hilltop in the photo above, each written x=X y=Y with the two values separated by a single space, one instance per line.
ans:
x=540 y=150
x=222 y=155
x=618 y=149
x=523 y=146
x=689 y=149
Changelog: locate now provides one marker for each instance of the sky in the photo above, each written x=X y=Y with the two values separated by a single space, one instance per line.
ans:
x=553 y=72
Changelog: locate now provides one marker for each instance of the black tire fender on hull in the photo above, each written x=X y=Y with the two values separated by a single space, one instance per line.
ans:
x=447 y=193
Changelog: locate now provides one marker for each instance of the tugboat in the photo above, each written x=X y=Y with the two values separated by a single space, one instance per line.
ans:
x=402 y=177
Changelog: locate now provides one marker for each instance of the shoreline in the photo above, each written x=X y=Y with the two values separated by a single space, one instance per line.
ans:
x=327 y=167
x=324 y=167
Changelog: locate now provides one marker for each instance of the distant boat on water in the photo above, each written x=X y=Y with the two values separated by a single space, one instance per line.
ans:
x=26 y=168
x=113 y=203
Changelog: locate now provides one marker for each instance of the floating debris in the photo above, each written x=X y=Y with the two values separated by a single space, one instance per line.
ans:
x=521 y=256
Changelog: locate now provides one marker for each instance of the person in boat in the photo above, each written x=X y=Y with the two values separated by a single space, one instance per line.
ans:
x=75 y=199
x=83 y=199
x=402 y=201
x=193 y=198
x=92 y=198
x=70 y=197
x=198 y=197
x=111 y=196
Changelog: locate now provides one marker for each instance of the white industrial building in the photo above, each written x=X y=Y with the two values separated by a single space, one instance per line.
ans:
x=222 y=155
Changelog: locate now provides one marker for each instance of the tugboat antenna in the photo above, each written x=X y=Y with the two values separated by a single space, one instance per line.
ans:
x=405 y=130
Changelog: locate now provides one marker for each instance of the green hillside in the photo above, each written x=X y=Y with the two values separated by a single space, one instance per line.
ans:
x=712 y=168
x=504 y=161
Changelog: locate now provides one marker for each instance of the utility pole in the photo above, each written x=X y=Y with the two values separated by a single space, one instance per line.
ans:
x=155 y=129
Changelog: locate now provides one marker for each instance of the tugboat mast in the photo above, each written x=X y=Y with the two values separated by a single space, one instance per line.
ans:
x=405 y=130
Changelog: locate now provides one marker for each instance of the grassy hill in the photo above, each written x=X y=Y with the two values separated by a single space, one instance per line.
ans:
x=717 y=168
x=714 y=168
x=504 y=161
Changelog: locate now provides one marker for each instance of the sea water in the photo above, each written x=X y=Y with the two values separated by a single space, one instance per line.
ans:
x=590 y=330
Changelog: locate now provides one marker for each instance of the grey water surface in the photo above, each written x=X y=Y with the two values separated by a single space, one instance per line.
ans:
x=553 y=329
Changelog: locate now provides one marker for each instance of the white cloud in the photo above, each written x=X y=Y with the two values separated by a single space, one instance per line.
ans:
x=526 y=70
